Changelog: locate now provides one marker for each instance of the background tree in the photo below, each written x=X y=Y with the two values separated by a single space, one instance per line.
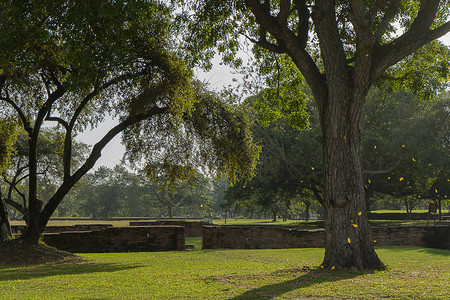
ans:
x=406 y=144
x=74 y=62
x=49 y=167
x=341 y=48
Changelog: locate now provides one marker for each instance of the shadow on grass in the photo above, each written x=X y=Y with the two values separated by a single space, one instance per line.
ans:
x=312 y=277
x=39 y=271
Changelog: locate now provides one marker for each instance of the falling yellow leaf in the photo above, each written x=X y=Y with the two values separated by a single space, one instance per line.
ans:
x=369 y=181
x=401 y=178
x=375 y=147
x=436 y=191
x=312 y=168
x=360 y=213
x=201 y=205
x=345 y=138
x=349 y=241
x=355 y=225
x=403 y=146
x=413 y=159
x=374 y=241
x=366 y=186
x=321 y=266
x=389 y=177
x=332 y=268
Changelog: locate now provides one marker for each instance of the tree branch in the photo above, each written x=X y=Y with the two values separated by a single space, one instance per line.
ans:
x=285 y=11
x=23 y=119
x=267 y=45
x=303 y=22
x=69 y=182
x=295 y=48
x=388 y=15
x=418 y=35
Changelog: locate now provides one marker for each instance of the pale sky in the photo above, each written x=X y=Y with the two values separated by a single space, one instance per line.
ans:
x=221 y=76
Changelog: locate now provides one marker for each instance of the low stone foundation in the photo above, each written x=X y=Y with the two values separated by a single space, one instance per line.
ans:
x=56 y=229
x=274 y=237
x=119 y=239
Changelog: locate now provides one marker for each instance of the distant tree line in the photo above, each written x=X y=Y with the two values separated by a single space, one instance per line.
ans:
x=406 y=159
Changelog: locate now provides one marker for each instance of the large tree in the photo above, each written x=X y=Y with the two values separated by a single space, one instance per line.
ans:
x=341 y=48
x=72 y=63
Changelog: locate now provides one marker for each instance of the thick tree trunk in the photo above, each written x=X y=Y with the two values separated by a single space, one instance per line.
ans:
x=5 y=226
x=35 y=205
x=348 y=239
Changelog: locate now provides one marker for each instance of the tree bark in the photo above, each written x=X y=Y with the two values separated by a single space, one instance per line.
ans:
x=5 y=226
x=348 y=241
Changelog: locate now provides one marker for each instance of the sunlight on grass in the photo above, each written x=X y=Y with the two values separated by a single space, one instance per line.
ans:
x=231 y=274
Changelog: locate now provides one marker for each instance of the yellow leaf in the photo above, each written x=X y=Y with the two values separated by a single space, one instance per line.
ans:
x=332 y=268
x=312 y=168
x=413 y=159
x=201 y=205
x=345 y=138
x=374 y=241
x=369 y=181
x=389 y=177
x=349 y=241
x=360 y=213
x=401 y=178
x=375 y=147
x=436 y=191
x=403 y=146
x=321 y=266
x=355 y=225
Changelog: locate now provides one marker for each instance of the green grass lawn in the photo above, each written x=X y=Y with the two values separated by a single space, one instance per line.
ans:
x=414 y=273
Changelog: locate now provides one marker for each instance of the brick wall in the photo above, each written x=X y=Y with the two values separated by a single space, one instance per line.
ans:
x=260 y=237
x=275 y=237
x=404 y=216
x=56 y=229
x=119 y=239
x=191 y=228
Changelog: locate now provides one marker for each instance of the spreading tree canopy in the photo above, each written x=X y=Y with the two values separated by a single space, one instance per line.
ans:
x=341 y=48
x=72 y=63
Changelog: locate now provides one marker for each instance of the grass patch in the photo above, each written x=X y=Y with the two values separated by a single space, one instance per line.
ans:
x=414 y=273
x=195 y=241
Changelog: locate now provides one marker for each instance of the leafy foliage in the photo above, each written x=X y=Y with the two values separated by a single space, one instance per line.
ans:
x=8 y=134
x=76 y=62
